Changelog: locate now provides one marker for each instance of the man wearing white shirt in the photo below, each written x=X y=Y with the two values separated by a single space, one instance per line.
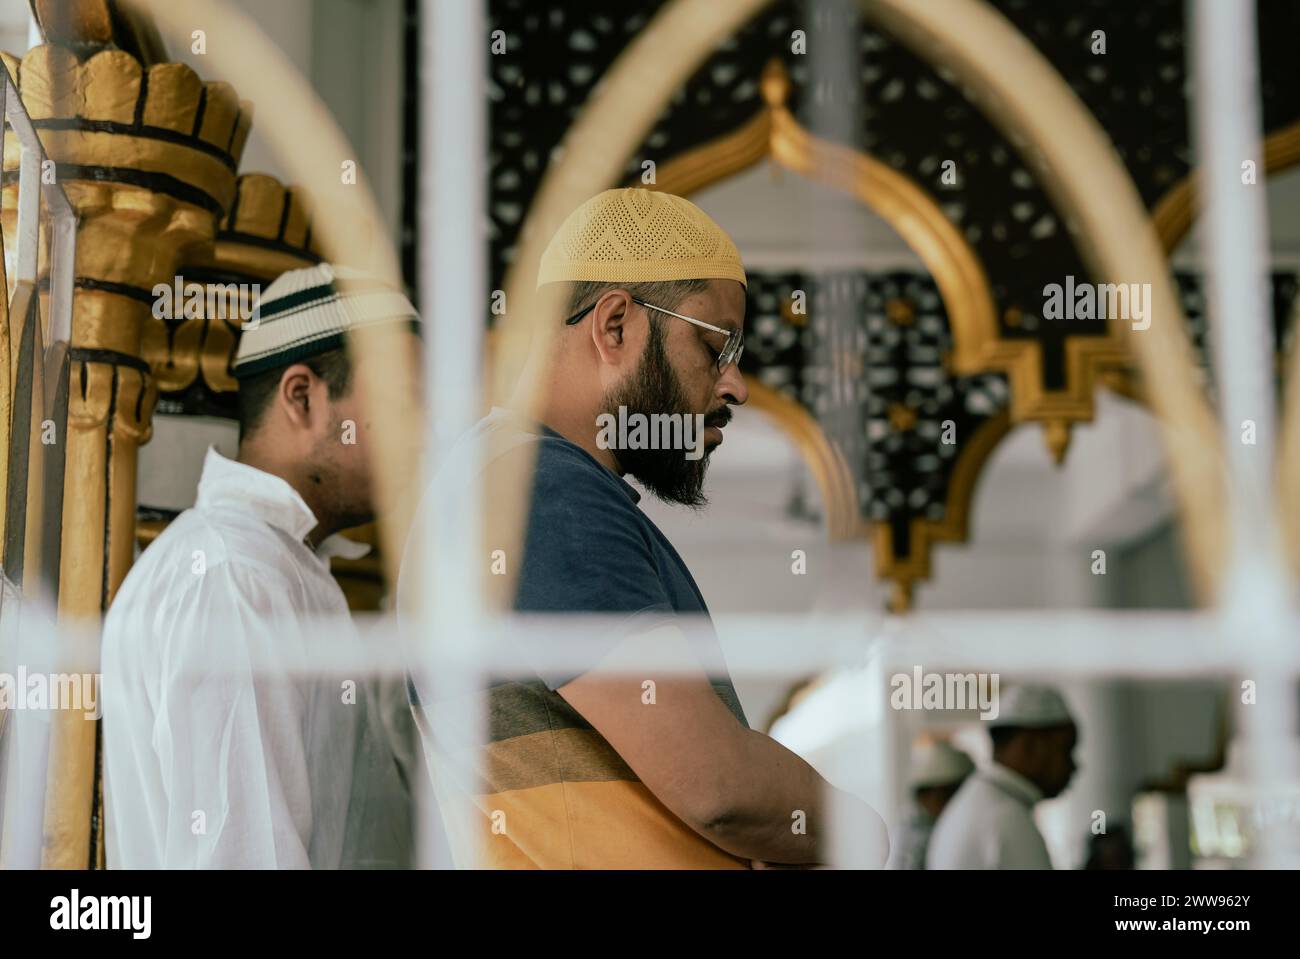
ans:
x=222 y=749
x=989 y=823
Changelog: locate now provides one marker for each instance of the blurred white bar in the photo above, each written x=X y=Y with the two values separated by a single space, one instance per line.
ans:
x=31 y=187
x=29 y=638
x=29 y=210
x=1017 y=645
x=1080 y=645
x=1255 y=597
x=29 y=182
x=1236 y=265
x=833 y=114
x=63 y=255
x=452 y=290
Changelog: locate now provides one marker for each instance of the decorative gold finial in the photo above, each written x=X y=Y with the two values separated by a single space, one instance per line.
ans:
x=775 y=84
x=901 y=417
x=1057 y=435
x=900 y=311
x=900 y=596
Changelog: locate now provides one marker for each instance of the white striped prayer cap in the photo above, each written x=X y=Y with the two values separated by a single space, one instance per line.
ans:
x=308 y=312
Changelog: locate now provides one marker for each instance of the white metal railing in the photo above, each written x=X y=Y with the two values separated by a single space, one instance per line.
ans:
x=34 y=494
x=453 y=198
x=1082 y=645
x=39 y=390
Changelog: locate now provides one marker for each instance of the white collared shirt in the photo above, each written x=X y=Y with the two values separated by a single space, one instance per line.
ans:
x=215 y=756
x=989 y=824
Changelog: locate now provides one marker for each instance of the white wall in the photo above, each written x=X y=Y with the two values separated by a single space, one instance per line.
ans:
x=15 y=26
x=351 y=53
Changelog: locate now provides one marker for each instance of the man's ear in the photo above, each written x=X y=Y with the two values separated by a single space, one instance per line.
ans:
x=294 y=394
x=609 y=326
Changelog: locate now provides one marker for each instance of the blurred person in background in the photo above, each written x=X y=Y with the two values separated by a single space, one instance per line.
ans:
x=1112 y=849
x=936 y=772
x=989 y=824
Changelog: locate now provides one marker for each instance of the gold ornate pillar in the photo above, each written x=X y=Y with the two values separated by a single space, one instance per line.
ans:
x=147 y=158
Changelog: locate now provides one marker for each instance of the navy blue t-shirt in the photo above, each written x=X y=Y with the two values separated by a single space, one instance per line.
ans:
x=590 y=549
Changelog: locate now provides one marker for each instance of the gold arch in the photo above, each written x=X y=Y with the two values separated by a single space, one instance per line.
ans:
x=1021 y=93
x=963 y=285
x=907 y=208
x=955 y=525
x=832 y=473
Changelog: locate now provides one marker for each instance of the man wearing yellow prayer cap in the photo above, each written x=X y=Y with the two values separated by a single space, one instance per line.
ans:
x=636 y=753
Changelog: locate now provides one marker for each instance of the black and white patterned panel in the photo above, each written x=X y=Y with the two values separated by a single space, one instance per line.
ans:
x=882 y=392
x=554 y=55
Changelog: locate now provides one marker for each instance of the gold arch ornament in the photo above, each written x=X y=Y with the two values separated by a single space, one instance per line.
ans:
x=893 y=196
x=1011 y=82
x=963 y=285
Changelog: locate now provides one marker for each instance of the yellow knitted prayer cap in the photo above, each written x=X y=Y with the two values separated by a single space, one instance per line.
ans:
x=639 y=236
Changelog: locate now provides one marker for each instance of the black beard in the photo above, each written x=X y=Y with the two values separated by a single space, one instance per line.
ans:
x=654 y=388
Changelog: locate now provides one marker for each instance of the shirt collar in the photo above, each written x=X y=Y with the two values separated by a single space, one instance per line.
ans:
x=229 y=484
x=1012 y=782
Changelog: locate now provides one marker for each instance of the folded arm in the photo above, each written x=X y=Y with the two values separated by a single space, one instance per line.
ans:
x=738 y=788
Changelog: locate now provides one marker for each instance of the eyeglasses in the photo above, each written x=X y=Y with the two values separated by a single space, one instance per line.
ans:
x=732 y=351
